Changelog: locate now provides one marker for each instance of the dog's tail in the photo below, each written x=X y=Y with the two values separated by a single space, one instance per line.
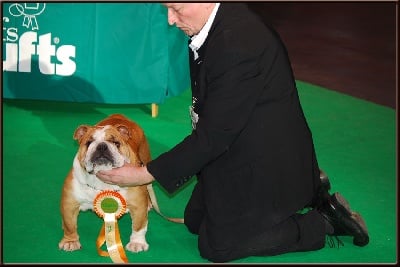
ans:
x=154 y=203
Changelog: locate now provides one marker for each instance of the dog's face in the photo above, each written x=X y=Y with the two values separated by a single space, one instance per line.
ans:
x=102 y=147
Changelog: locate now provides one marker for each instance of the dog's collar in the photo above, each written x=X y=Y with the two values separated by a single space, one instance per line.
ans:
x=92 y=187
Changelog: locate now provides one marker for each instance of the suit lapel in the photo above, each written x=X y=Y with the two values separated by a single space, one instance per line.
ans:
x=197 y=72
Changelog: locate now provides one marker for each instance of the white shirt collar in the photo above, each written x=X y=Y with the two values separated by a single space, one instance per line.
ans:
x=198 y=40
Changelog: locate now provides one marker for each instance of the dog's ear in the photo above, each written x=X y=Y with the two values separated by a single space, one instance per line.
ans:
x=124 y=131
x=81 y=131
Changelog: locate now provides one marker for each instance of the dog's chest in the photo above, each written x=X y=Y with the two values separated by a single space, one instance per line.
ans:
x=86 y=191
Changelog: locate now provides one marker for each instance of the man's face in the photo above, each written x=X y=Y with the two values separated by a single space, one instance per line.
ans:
x=189 y=17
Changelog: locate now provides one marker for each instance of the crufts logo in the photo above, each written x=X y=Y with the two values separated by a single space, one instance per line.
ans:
x=29 y=11
x=20 y=49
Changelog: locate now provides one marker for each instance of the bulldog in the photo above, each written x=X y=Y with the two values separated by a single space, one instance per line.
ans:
x=106 y=145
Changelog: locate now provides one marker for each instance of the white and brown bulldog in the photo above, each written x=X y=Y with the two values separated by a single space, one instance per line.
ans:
x=106 y=145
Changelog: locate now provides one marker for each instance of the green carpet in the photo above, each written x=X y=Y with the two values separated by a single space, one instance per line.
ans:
x=355 y=142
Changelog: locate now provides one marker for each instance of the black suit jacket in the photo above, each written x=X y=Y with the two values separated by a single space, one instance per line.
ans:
x=252 y=150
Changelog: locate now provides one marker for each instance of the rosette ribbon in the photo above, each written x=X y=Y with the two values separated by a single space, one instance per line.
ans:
x=110 y=206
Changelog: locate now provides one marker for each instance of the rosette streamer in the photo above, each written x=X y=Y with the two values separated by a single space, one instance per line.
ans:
x=110 y=206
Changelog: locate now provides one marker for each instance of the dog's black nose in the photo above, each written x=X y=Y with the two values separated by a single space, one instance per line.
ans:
x=102 y=147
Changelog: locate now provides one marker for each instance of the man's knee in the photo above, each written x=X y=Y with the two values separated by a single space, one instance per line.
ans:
x=209 y=253
x=218 y=256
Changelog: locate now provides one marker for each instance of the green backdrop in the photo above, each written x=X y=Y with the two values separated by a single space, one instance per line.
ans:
x=121 y=53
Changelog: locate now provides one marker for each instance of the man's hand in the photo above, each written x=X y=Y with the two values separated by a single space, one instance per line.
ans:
x=127 y=175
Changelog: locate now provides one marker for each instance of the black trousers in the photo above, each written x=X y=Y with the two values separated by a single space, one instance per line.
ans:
x=300 y=232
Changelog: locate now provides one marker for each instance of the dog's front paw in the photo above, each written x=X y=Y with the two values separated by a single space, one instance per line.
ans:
x=137 y=242
x=69 y=245
x=136 y=246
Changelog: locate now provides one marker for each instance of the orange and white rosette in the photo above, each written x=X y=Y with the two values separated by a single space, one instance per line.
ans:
x=110 y=206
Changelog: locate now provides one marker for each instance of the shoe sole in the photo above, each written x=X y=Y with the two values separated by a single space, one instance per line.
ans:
x=360 y=240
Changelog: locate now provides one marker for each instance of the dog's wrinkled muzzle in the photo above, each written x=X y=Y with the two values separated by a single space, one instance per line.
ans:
x=102 y=155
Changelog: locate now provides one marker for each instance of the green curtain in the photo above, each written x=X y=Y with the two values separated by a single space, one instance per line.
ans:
x=118 y=53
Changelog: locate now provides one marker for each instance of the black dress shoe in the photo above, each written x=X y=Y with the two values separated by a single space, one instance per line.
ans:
x=343 y=220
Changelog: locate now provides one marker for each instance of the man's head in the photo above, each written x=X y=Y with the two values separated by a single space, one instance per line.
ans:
x=189 y=17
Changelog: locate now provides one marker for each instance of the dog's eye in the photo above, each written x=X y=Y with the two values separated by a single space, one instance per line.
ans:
x=88 y=143
x=117 y=144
